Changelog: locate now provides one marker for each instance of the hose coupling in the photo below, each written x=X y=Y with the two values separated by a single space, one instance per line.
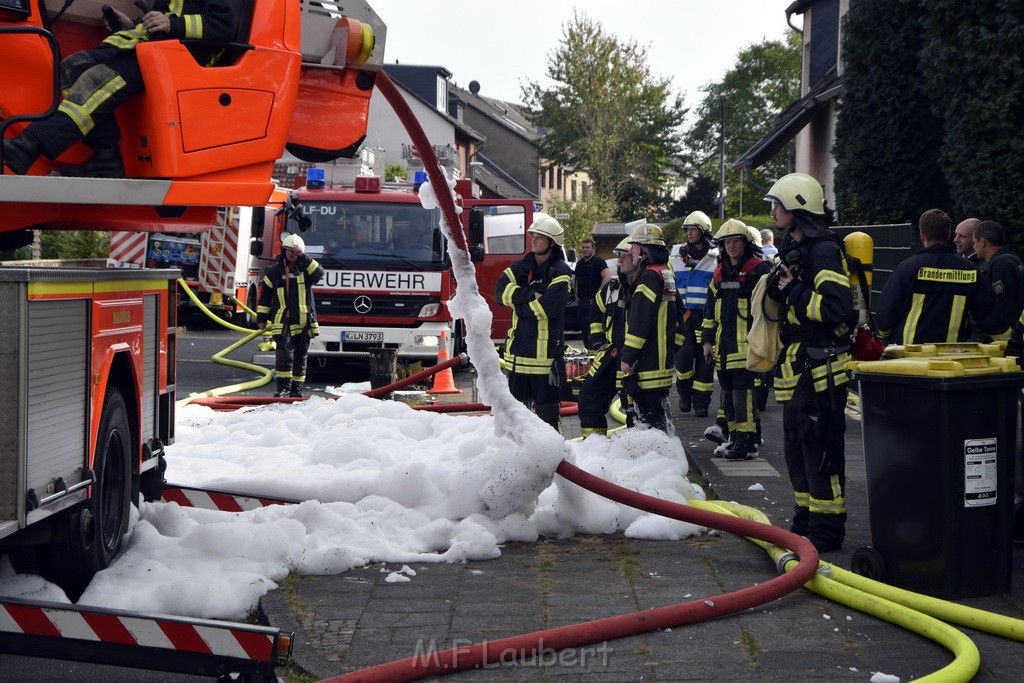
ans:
x=784 y=559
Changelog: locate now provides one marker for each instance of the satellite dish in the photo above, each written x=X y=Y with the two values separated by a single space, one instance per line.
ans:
x=474 y=87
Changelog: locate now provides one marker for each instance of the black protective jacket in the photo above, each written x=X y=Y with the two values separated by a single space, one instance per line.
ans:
x=537 y=335
x=928 y=297
x=286 y=297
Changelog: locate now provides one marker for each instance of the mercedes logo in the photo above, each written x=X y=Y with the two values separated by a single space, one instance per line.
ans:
x=363 y=304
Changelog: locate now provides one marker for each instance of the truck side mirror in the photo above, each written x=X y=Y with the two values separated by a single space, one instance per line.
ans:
x=476 y=252
x=476 y=229
x=256 y=247
x=570 y=255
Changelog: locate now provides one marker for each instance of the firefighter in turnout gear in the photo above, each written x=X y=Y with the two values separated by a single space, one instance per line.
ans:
x=650 y=336
x=727 y=321
x=693 y=265
x=287 y=311
x=536 y=288
x=812 y=282
x=95 y=82
x=928 y=297
x=604 y=378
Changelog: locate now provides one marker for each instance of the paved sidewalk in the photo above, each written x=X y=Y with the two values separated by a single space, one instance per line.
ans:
x=355 y=620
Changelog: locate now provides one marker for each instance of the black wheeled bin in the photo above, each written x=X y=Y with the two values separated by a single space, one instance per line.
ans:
x=939 y=455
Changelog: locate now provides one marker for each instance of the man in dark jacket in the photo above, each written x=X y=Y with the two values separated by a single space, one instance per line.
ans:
x=1003 y=272
x=97 y=81
x=287 y=311
x=727 y=321
x=590 y=274
x=604 y=378
x=813 y=284
x=536 y=288
x=928 y=297
x=650 y=338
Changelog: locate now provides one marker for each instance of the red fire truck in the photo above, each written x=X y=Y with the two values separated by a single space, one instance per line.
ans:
x=388 y=275
x=88 y=386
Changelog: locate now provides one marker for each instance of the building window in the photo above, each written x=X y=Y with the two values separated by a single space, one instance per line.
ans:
x=442 y=94
x=573 y=189
x=585 y=188
x=558 y=178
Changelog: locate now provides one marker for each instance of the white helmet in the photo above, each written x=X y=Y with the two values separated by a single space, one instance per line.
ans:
x=622 y=247
x=643 y=233
x=548 y=227
x=755 y=236
x=290 y=241
x=733 y=228
x=698 y=219
x=798 y=191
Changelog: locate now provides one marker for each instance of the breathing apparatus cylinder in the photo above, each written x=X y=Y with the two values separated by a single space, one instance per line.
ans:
x=860 y=246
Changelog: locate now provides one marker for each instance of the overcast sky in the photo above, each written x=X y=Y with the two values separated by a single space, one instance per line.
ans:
x=502 y=44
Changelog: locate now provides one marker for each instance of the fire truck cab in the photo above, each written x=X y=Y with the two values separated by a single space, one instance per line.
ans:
x=388 y=275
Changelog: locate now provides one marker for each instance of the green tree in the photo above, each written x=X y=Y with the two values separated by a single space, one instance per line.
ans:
x=583 y=214
x=763 y=82
x=74 y=244
x=888 y=140
x=973 y=65
x=393 y=172
x=700 y=196
x=607 y=115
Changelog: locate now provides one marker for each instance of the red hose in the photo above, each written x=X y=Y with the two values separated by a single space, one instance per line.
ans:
x=426 y=151
x=578 y=635
x=461 y=359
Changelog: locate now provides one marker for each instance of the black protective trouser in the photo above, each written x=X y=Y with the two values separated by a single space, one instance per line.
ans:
x=96 y=83
x=291 y=355
x=596 y=395
x=539 y=391
x=647 y=405
x=815 y=428
x=587 y=313
x=695 y=377
x=738 y=401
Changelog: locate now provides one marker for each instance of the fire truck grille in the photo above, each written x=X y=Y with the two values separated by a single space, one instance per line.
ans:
x=376 y=305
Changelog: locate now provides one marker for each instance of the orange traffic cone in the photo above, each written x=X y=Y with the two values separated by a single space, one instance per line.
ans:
x=444 y=381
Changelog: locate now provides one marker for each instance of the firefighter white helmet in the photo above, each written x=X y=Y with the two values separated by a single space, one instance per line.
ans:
x=733 y=228
x=548 y=227
x=643 y=233
x=622 y=247
x=290 y=241
x=798 y=191
x=698 y=219
x=755 y=236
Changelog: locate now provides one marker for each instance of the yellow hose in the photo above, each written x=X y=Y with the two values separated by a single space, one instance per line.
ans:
x=831 y=584
x=221 y=356
x=210 y=314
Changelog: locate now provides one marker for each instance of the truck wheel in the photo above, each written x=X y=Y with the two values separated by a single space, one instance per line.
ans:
x=251 y=302
x=99 y=524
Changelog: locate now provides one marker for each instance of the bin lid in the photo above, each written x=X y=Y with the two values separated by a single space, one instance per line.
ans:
x=942 y=373
x=943 y=349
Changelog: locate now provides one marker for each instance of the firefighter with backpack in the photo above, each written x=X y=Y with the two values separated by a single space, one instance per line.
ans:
x=727 y=321
x=812 y=283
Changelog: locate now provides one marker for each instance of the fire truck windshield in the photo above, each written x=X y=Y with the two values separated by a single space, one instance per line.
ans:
x=364 y=234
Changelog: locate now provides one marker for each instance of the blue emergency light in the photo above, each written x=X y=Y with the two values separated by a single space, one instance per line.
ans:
x=314 y=178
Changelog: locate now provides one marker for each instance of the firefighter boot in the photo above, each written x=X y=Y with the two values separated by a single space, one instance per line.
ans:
x=105 y=162
x=296 y=390
x=20 y=153
x=742 y=448
x=284 y=387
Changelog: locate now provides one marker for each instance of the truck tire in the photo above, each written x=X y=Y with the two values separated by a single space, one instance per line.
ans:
x=250 y=301
x=99 y=524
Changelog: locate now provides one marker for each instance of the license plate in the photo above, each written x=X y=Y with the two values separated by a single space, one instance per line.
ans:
x=354 y=336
